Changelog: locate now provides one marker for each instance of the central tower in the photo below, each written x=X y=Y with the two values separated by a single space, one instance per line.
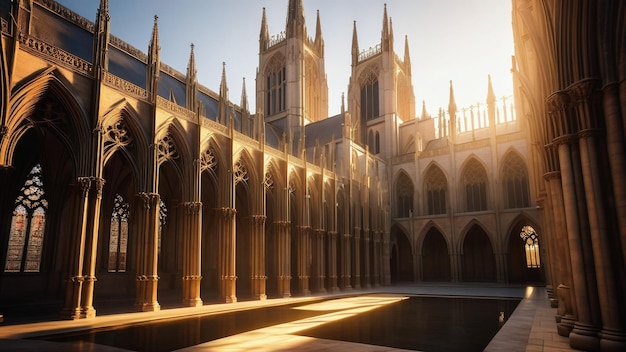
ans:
x=291 y=85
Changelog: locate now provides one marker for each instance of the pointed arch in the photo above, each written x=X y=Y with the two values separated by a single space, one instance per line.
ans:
x=401 y=258
x=515 y=185
x=524 y=251
x=435 y=254
x=435 y=189
x=478 y=255
x=172 y=148
x=473 y=185
x=24 y=100
x=403 y=193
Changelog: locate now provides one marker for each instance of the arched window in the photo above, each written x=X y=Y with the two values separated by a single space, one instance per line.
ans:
x=475 y=183
x=531 y=245
x=276 y=90
x=515 y=183
x=27 y=226
x=369 y=97
x=436 y=186
x=404 y=194
x=118 y=235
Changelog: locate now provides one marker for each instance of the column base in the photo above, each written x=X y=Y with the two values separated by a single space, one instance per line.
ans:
x=230 y=299
x=193 y=302
x=612 y=340
x=261 y=297
x=554 y=303
x=88 y=312
x=149 y=307
x=584 y=337
x=71 y=314
x=566 y=325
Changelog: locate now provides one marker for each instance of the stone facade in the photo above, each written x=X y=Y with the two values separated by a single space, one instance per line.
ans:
x=124 y=178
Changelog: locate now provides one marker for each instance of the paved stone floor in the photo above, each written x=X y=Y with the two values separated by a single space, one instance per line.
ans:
x=531 y=327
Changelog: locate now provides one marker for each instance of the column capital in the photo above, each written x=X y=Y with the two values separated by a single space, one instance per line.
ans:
x=227 y=212
x=149 y=199
x=193 y=208
x=259 y=219
x=552 y=175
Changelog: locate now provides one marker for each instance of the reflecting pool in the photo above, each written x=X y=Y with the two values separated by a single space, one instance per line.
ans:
x=424 y=323
x=417 y=323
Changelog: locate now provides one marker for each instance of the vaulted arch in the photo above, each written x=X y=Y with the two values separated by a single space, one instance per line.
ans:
x=403 y=194
x=435 y=190
x=515 y=185
x=478 y=256
x=473 y=186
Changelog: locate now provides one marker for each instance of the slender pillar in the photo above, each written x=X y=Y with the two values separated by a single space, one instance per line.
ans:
x=73 y=293
x=192 y=252
x=227 y=250
x=304 y=255
x=377 y=258
x=584 y=335
x=284 y=257
x=147 y=258
x=345 y=264
x=386 y=258
x=366 y=258
x=259 y=279
x=91 y=247
x=332 y=261
x=356 y=274
x=320 y=260
x=613 y=335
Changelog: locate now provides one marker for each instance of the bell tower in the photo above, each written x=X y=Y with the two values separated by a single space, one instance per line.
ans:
x=380 y=92
x=291 y=85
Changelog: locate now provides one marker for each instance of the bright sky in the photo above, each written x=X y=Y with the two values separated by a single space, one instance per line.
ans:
x=458 y=40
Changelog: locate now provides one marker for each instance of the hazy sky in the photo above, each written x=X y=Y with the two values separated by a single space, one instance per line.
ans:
x=458 y=40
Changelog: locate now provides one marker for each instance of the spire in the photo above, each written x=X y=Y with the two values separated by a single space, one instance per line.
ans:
x=154 y=60
x=452 y=113
x=244 y=97
x=491 y=96
x=192 y=82
x=223 y=102
x=295 y=19
x=407 y=55
x=424 y=112
x=355 y=46
x=491 y=104
x=264 y=36
x=384 y=40
x=452 y=102
x=101 y=38
x=319 y=41
x=343 y=104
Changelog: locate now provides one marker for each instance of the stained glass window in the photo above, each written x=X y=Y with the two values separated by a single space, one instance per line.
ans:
x=28 y=226
x=162 y=221
x=531 y=245
x=118 y=235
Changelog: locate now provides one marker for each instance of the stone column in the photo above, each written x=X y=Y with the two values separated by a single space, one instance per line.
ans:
x=565 y=314
x=366 y=258
x=377 y=258
x=320 y=261
x=76 y=251
x=227 y=251
x=386 y=258
x=584 y=335
x=91 y=247
x=356 y=274
x=345 y=264
x=284 y=257
x=332 y=261
x=613 y=335
x=304 y=255
x=616 y=147
x=147 y=256
x=192 y=254
x=259 y=279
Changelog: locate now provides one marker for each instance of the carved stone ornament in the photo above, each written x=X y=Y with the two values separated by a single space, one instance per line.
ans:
x=208 y=160
x=240 y=173
x=166 y=149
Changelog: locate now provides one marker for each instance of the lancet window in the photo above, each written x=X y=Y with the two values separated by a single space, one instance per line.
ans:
x=515 y=183
x=118 y=235
x=28 y=223
x=369 y=96
x=404 y=195
x=436 y=187
x=475 y=184
x=531 y=245
x=276 y=85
